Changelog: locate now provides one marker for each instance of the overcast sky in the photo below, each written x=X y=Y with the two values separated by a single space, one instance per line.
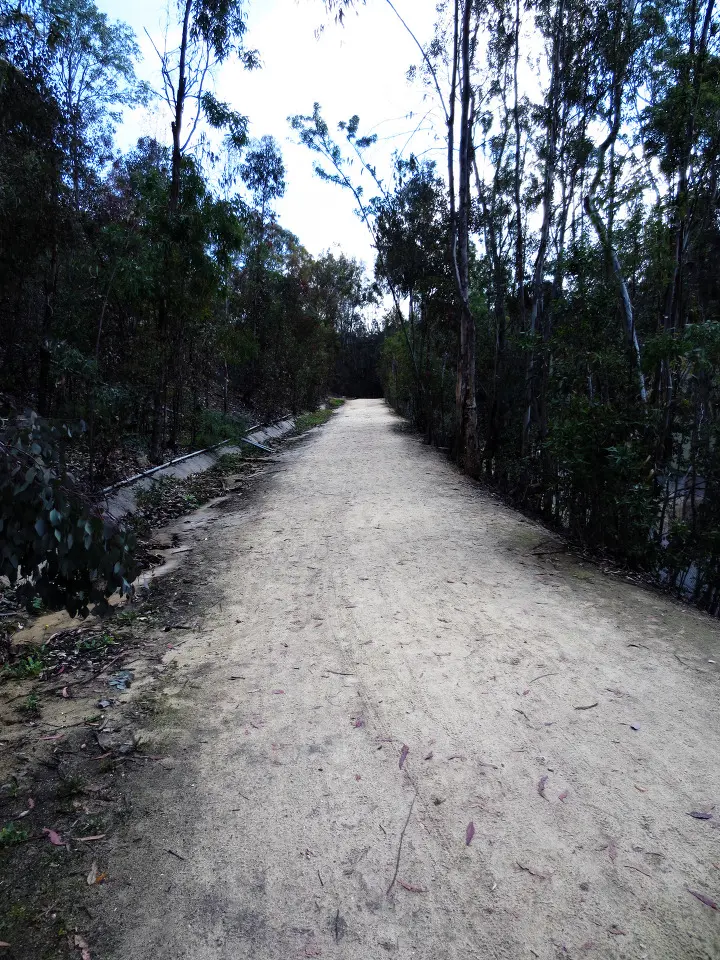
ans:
x=359 y=68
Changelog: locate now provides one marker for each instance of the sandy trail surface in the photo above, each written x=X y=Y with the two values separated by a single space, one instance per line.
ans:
x=411 y=726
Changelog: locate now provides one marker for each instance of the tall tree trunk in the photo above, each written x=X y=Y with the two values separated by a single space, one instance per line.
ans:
x=465 y=396
x=176 y=125
x=50 y=287
x=696 y=54
x=606 y=243
x=547 y=207
x=517 y=178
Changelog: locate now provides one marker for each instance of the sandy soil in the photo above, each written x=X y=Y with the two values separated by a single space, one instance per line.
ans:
x=394 y=656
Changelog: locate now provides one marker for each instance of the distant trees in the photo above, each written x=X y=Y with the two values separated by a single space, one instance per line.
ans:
x=577 y=223
x=138 y=291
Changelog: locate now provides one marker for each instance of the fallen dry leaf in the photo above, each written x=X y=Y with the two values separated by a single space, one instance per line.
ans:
x=403 y=755
x=469 y=833
x=4 y=944
x=411 y=887
x=700 y=815
x=541 y=786
x=92 y=877
x=97 y=836
x=564 y=795
x=612 y=851
x=54 y=838
x=703 y=899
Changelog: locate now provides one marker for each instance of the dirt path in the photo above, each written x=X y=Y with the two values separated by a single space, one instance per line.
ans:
x=373 y=601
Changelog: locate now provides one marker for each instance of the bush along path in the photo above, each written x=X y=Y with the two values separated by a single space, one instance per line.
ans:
x=386 y=717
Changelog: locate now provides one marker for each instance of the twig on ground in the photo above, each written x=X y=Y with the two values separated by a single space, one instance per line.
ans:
x=399 y=850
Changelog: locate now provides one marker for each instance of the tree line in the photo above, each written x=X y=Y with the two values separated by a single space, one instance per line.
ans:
x=150 y=300
x=556 y=318
x=152 y=293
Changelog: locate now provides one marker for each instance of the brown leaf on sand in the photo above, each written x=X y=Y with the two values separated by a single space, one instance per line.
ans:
x=403 y=755
x=54 y=838
x=612 y=851
x=700 y=815
x=541 y=786
x=703 y=899
x=411 y=887
x=469 y=833
x=564 y=795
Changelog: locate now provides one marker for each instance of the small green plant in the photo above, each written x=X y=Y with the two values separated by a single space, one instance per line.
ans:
x=96 y=644
x=11 y=834
x=335 y=402
x=126 y=617
x=191 y=501
x=306 y=421
x=31 y=704
x=24 y=669
x=70 y=786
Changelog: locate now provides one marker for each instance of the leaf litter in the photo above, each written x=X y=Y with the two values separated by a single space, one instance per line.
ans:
x=410 y=887
x=708 y=901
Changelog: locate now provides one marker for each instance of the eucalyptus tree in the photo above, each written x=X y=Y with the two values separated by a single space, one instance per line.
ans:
x=211 y=31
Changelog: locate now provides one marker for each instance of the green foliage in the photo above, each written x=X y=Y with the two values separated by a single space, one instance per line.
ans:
x=55 y=544
x=307 y=421
x=31 y=704
x=24 y=668
x=211 y=427
x=96 y=644
x=12 y=834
